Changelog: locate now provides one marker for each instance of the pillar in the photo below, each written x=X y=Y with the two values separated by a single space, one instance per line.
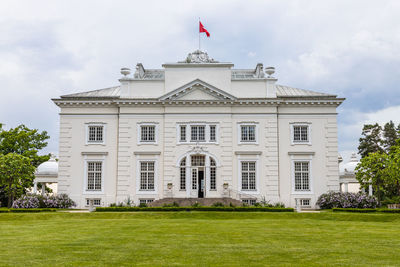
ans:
x=346 y=187
x=35 y=187
x=43 y=189
x=370 y=189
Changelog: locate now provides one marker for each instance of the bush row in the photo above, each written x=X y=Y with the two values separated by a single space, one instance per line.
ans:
x=365 y=210
x=27 y=210
x=32 y=201
x=263 y=209
x=346 y=200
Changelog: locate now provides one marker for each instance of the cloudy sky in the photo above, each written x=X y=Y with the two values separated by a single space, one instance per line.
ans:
x=350 y=48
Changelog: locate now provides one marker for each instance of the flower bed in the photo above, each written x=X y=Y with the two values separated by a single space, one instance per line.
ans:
x=347 y=200
x=31 y=201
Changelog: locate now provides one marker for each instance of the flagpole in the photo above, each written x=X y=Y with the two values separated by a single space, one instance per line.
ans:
x=199 y=33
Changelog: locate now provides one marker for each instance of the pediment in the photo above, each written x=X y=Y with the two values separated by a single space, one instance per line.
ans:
x=197 y=90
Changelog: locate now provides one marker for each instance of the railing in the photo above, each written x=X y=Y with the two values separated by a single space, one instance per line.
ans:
x=235 y=194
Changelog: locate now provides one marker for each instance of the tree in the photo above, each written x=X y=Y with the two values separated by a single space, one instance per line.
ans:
x=390 y=135
x=371 y=141
x=16 y=174
x=24 y=141
x=382 y=171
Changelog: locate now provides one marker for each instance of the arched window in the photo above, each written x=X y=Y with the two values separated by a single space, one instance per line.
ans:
x=213 y=174
x=183 y=174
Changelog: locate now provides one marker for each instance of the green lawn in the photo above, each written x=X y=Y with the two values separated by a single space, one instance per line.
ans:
x=199 y=239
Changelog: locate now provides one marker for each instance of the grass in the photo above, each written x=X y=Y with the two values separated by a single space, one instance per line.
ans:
x=199 y=239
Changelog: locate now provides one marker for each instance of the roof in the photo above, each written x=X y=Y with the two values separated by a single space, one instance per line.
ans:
x=113 y=92
x=286 y=91
x=281 y=91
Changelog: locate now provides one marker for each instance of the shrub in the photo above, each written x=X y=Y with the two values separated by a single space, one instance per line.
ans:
x=217 y=204
x=393 y=200
x=174 y=204
x=240 y=209
x=27 y=202
x=354 y=210
x=346 y=200
x=30 y=201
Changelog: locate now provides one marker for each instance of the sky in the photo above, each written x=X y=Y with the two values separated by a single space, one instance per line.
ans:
x=348 y=48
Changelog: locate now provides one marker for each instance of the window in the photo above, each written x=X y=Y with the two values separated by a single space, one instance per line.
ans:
x=194 y=179
x=248 y=133
x=213 y=174
x=198 y=133
x=248 y=175
x=213 y=133
x=147 y=175
x=301 y=176
x=95 y=134
x=305 y=203
x=145 y=200
x=96 y=202
x=198 y=160
x=94 y=173
x=183 y=174
x=147 y=133
x=182 y=133
x=249 y=202
x=300 y=134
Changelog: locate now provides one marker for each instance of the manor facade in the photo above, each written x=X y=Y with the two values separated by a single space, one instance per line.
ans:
x=198 y=129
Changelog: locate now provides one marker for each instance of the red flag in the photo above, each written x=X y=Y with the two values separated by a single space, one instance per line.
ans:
x=202 y=29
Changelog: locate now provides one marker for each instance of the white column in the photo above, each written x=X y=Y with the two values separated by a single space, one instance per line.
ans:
x=43 y=189
x=346 y=187
x=35 y=187
x=370 y=189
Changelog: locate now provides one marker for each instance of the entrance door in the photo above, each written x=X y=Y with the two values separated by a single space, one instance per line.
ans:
x=201 y=184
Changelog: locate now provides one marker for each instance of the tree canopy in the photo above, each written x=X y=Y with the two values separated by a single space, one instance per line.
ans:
x=15 y=174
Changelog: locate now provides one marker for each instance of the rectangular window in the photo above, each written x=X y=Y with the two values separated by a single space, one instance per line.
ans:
x=145 y=200
x=248 y=133
x=183 y=175
x=300 y=133
x=249 y=202
x=213 y=174
x=183 y=133
x=94 y=173
x=95 y=134
x=194 y=179
x=96 y=202
x=147 y=174
x=301 y=176
x=248 y=175
x=305 y=202
x=213 y=133
x=197 y=133
x=147 y=133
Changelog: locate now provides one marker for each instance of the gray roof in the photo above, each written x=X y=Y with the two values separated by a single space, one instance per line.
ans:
x=286 y=91
x=113 y=92
x=281 y=91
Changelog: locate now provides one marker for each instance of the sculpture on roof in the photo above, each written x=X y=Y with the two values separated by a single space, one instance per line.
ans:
x=198 y=56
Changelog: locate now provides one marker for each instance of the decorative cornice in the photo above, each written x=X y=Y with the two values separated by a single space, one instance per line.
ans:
x=248 y=152
x=94 y=153
x=310 y=153
x=147 y=153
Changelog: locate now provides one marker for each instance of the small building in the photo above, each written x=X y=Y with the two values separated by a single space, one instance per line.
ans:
x=348 y=181
x=46 y=174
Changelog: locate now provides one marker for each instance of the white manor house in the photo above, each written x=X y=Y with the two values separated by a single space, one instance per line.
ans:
x=198 y=129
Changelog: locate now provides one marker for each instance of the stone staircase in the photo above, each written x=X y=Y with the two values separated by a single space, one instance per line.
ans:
x=186 y=202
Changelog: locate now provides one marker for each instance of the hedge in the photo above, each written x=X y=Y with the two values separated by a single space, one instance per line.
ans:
x=243 y=209
x=354 y=210
x=27 y=210
x=389 y=210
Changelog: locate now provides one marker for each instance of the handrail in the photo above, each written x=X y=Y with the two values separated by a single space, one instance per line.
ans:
x=240 y=194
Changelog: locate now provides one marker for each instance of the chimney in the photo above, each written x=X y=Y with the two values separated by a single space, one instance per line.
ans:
x=270 y=84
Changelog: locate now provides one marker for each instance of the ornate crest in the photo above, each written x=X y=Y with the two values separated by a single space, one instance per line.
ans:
x=198 y=56
x=198 y=149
